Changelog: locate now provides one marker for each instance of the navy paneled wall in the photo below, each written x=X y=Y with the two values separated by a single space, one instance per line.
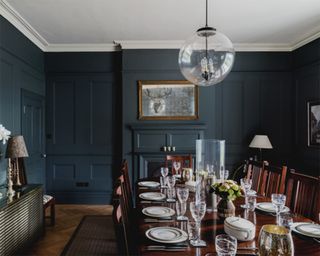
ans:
x=307 y=86
x=21 y=67
x=82 y=125
x=257 y=97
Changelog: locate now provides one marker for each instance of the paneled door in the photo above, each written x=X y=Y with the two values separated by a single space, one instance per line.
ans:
x=32 y=128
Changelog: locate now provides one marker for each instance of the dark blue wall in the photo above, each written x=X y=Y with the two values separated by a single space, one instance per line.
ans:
x=83 y=125
x=307 y=88
x=21 y=66
x=257 y=97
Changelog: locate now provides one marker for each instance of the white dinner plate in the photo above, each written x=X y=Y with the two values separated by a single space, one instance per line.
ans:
x=306 y=229
x=168 y=235
x=150 y=184
x=158 y=211
x=268 y=207
x=156 y=196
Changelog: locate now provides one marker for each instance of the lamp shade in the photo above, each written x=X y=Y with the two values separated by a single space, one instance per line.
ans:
x=16 y=147
x=260 y=141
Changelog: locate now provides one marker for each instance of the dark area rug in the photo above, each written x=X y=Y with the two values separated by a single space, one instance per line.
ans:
x=94 y=236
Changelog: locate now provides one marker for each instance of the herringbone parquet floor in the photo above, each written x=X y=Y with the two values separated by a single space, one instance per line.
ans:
x=67 y=219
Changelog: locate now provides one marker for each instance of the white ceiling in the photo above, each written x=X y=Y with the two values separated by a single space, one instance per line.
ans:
x=96 y=24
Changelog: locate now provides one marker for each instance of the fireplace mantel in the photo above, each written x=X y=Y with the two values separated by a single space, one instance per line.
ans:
x=151 y=140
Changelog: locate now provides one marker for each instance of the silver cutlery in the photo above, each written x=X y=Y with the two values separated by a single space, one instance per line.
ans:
x=151 y=202
x=158 y=220
x=316 y=240
x=247 y=248
x=166 y=248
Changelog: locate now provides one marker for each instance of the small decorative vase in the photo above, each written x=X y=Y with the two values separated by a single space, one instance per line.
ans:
x=226 y=208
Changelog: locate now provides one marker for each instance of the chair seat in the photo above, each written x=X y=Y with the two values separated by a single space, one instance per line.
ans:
x=47 y=198
x=49 y=201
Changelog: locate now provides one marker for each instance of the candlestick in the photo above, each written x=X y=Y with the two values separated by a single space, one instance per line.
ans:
x=10 y=191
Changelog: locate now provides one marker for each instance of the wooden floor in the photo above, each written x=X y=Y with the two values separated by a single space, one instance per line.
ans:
x=67 y=219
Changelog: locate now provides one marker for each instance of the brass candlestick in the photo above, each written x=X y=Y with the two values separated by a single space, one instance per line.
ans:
x=10 y=191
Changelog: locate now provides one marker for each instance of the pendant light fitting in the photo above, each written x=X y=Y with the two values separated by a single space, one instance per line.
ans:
x=207 y=57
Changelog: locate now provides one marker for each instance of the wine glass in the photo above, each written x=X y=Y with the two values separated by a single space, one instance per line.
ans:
x=181 y=208
x=176 y=166
x=226 y=245
x=246 y=186
x=278 y=201
x=198 y=210
x=164 y=173
x=171 y=181
x=183 y=194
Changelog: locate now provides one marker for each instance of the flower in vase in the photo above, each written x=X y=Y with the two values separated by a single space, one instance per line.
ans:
x=228 y=189
x=4 y=134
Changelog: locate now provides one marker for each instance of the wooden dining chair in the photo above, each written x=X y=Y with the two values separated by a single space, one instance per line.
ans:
x=273 y=179
x=255 y=172
x=185 y=162
x=124 y=170
x=124 y=223
x=302 y=193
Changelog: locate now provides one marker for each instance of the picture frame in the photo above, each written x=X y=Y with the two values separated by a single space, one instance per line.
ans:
x=313 y=112
x=168 y=100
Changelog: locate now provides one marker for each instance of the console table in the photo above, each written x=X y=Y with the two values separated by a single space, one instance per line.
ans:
x=21 y=219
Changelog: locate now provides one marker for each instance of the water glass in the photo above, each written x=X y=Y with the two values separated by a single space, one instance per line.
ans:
x=252 y=202
x=171 y=181
x=198 y=210
x=176 y=166
x=226 y=174
x=286 y=220
x=181 y=208
x=163 y=182
x=164 y=171
x=183 y=194
x=246 y=186
x=226 y=245
x=222 y=174
x=192 y=230
x=278 y=201
x=171 y=195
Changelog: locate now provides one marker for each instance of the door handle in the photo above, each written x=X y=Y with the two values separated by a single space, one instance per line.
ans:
x=43 y=155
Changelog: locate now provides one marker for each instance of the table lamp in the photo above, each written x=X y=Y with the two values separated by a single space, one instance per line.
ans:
x=16 y=149
x=260 y=142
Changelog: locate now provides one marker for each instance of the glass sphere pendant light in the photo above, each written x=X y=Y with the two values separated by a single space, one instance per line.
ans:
x=207 y=57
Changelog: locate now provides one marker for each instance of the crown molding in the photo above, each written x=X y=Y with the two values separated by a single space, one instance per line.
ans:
x=8 y=12
x=305 y=41
x=149 y=44
x=22 y=25
x=82 y=48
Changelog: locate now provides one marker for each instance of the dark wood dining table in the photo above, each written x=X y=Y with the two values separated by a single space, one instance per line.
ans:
x=212 y=225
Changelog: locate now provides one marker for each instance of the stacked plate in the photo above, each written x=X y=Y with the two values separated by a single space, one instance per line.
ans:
x=149 y=184
x=158 y=211
x=269 y=208
x=169 y=235
x=306 y=229
x=156 y=196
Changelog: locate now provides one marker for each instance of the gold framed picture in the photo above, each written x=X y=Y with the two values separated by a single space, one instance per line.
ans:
x=168 y=100
x=313 y=123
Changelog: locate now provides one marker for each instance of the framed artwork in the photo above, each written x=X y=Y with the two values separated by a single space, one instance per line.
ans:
x=168 y=100
x=314 y=123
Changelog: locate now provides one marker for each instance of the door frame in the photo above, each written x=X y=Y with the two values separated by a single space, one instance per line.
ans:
x=26 y=94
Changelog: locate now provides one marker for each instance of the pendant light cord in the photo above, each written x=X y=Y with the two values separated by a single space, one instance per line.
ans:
x=206 y=13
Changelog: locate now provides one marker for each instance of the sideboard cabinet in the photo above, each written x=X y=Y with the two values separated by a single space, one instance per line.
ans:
x=21 y=219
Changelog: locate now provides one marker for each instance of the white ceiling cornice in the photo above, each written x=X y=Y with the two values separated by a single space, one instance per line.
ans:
x=25 y=28
x=82 y=48
x=22 y=25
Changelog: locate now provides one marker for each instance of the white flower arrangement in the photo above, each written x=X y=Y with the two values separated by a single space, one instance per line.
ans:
x=4 y=134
